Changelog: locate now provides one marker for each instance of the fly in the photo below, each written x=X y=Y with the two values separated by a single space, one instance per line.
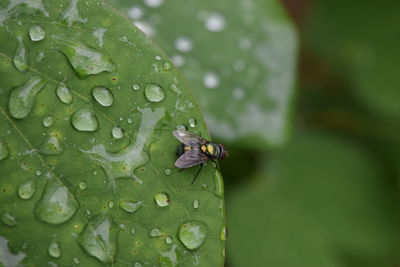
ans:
x=196 y=150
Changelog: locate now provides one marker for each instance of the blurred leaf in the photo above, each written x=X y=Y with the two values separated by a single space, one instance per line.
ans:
x=362 y=45
x=86 y=145
x=238 y=56
x=321 y=201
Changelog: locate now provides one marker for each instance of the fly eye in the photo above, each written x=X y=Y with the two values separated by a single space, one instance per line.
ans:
x=223 y=155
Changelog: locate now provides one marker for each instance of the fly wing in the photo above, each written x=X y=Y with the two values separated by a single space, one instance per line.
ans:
x=188 y=138
x=191 y=158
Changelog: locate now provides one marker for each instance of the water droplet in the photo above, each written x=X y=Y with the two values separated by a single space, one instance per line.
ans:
x=136 y=86
x=135 y=12
x=129 y=120
x=54 y=249
x=218 y=184
x=137 y=264
x=103 y=96
x=4 y=151
x=215 y=22
x=154 y=92
x=52 y=145
x=8 y=219
x=21 y=56
x=99 y=35
x=76 y=260
x=82 y=185
x=162 y=199
x=170 y=258
x=57 y=204
x=211 y=80
x=155 y=232
x=195 y=204
x=153 y=3
x=40 y=57
x=192 y=122
x=47 y=121
x=130 y=207
x=85 y=60
x=223 y=234
x=168 y=239
x=117 y=132
x=36 y=33
x=174 y=88
x=181 y=127
x=183 y=44
x=133 y=230
x=88 y=212
x=23 y=97
x=64 y=94
x=167 y=172
x=167 y=66
x=71 y=14
x=192 y=234
x=111 y=204
x=85 y=120
x=38 y=173
x=98 y=239
x=26 y=189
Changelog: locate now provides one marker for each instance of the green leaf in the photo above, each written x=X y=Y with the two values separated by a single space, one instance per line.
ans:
x=238 y=56
x=362 y=46
x=87 y=110
x=320 y=201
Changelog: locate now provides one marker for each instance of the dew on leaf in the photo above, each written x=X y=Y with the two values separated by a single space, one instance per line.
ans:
x=52 y=145
x=76 y=260
x=71 y=14
x=195 y=204
x=64 y=94
x=23 y=97
x=85 y=120
x=38 y=173
x=99 y=238
x=54 y=249
x=99 y=35
x=40 y=57
x=27 y=189
x=170 y=257
x=223 y=234
x=155 y=232
x=4 y=150
x=133 y=230
x=47 y=121
x=218 y=184
x=167 y=66
x=181 y=127
x=8 y=219
x=162 y=199
x=82 y=185
x=211 y=80
x=183 y=44
x=192 y=234
x=137 y=264
x=20 y=58
x=57 y=204
x=136 y=86
x=167 y=172
x=168 y=239
x=117 y=132
x=103 y=96
x=154 y=92
x=111 y=204
x=130 y=206
x=192 y=122
x=36 y=33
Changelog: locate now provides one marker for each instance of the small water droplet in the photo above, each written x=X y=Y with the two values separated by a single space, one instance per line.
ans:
x=57 y=204
x=195 y=204
x=155 y=232
x=136 y=86
x=111 y=204
x=38 y=173
x=54 y=249
x=133 y=230
x=76 y=260
x=181 y=127
x=98 y=239
x=64 y=94
x=162 y=199
x=137 y=264
x=135 y=12
x=192 y=122
x=40 y=57
x=223 y=234
x=204 y=186
x=153 y=3
x=174 y=88
x=23 y=97
x=82 y=185
x=211 y=80
x=192 y=234
x=215 y=22
x=52 y=145
x=47 y=121
x=117 y=132
x=154 y=92
x=88 y=212
x=129 y=120
x=8 y=219
x=183 y=44
x=218 y=184
x=26 y=189
x=21 y=56
x=167 y=172
x=167 y=66
x=130 y=207
x=103 y=96
x=85 y=120
x=36 y=33
x=4 y=150
x=168 y=239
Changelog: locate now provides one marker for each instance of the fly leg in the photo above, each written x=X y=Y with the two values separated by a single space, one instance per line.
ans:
x=197 y=174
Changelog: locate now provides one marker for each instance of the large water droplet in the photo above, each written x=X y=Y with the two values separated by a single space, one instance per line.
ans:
x=103 y=96
x=130 y=207
x=155 y=232
x=23 y=97
x=4 y=151
x=85 y=60
x=57 y=204
x=192 y=122
x=215 y=22
x=36 y=33
x=64 y=94
x=192 y=234
x=52 y=145
x=98 y=239
x=47 y=121
x=183 y=44
x=26 y=189
x=117 y=132
x=211 y=80
x=218 y=184
x=21 y=56
x=162 y=199
x=85 y=120
x=54 y=249
x=154 y=92
x=8 y=219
